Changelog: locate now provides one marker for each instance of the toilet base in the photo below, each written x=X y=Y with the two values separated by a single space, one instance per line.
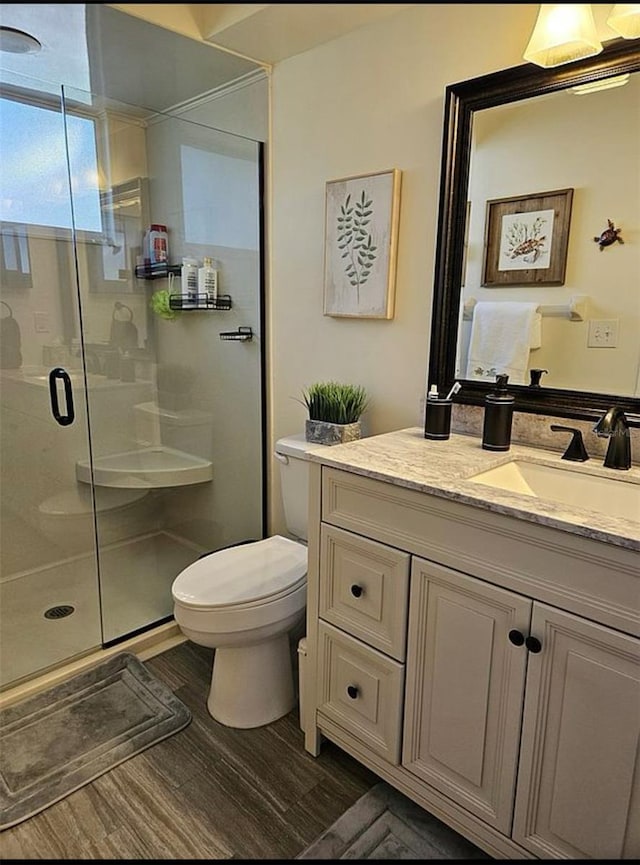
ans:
x=252 y=685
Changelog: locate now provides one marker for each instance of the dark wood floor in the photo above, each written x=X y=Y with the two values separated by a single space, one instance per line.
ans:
x=207 y=792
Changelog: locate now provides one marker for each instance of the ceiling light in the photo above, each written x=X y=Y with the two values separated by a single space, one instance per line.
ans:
x=604 y=84
x=17 y=41
x=625 y=20
x=564 y=32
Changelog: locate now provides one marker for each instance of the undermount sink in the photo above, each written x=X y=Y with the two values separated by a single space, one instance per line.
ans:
x=612 y=496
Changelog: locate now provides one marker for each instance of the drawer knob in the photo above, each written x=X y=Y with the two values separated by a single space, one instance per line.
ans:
x=352 y=691
x=533 y=644
x=516 y=638
x=356 y=590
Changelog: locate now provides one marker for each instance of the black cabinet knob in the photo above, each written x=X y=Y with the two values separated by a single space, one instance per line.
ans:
x=533 y=644
x=516 y=638
x=356 y=590
x=352 y=691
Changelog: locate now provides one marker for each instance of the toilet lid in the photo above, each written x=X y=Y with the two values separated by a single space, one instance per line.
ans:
x=78 y=500
x=243 y=574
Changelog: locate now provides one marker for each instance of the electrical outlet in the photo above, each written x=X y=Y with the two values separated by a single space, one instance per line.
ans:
x=603 y=333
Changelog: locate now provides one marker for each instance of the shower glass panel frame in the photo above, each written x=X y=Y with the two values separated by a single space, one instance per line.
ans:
x=172 y=465
x=49 y=589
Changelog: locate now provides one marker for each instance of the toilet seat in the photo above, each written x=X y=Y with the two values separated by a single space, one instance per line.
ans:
x=244 y=576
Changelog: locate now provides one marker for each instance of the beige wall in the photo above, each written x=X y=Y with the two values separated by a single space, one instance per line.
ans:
x=369 y=101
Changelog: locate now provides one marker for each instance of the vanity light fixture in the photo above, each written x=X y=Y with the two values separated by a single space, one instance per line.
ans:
x=18 y=42
x=624 y=18
x=564 y=32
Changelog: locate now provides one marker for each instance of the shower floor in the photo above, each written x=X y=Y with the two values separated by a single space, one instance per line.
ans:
x=136 y=578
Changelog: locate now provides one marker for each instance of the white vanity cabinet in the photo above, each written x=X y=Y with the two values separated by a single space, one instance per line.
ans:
x=486 y=667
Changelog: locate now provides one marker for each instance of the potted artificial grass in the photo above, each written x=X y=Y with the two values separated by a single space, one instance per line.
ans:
x=334 y=412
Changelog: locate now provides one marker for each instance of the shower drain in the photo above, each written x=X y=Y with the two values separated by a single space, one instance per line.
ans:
x=59 y=612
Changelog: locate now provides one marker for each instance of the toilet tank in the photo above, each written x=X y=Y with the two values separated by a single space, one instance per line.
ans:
x=291 y=453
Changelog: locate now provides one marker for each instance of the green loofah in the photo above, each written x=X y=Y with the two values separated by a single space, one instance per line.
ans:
x=159 y=303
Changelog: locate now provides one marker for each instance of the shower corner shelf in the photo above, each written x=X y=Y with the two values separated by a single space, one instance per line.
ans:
x=201 y=303
x=144 y=271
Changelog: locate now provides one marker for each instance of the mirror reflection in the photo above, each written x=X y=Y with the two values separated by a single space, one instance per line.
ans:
x=550 y=278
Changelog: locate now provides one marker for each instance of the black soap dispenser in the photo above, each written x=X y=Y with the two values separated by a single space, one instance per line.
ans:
x=498 y=415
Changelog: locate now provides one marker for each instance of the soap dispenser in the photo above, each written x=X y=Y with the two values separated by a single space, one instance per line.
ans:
x=498 y=415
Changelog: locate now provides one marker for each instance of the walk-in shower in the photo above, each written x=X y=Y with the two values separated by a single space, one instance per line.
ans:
x=131 y=430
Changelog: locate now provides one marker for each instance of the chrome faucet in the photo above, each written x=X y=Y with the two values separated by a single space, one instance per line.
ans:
x=613 y=425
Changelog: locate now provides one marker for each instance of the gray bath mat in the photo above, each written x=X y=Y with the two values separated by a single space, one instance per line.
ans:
x=384 y=824
x=57 y=741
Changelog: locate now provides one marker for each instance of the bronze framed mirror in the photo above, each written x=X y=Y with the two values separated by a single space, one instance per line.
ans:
x=463 y=102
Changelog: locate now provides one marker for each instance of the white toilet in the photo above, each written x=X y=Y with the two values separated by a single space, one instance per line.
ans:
x=245 y=600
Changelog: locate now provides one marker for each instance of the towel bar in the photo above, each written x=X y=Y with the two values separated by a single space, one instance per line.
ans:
x=574 y=310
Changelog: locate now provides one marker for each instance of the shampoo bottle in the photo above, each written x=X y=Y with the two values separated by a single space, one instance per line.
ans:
x=498 y=416
x=156 y=246
x=208 y=280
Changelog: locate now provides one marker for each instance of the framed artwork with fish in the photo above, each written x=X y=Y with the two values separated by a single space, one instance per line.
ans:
x=526 y=239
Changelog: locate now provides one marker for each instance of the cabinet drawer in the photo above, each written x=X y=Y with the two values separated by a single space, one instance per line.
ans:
x=361 y=690
x=543 y=563
x=364 y=589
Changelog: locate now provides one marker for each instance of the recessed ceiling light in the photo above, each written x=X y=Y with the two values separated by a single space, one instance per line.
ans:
x=17 y=41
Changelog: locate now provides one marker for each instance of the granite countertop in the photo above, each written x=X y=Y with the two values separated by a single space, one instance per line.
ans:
x=443 y=468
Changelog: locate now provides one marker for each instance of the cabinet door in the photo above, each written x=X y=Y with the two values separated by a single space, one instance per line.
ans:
x=579 y=783
x=464 y=689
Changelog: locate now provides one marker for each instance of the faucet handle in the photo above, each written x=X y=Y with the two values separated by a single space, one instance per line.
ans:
x=576 y=451
x=536 y=375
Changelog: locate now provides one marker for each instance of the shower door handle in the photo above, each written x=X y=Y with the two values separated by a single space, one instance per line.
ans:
x=57 y=373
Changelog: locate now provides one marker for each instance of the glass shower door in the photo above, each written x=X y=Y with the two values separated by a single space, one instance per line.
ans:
x=175 y=412
x=49 y=597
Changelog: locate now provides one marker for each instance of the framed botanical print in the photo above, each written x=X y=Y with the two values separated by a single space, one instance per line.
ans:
x=361 y=239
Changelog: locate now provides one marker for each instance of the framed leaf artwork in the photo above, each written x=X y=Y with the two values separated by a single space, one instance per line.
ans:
x=361 y=239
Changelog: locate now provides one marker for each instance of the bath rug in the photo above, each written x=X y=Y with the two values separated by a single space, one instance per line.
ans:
x=384 y=824
x=61 y=739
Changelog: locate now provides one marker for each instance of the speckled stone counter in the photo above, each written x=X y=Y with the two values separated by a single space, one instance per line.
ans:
x=444 y=468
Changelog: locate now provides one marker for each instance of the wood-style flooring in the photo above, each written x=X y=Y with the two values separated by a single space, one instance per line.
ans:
x=207 y=792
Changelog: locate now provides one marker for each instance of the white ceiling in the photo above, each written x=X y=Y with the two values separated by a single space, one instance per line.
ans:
x=192 y=48
x=96 y=49
x=272 y=32
x=264 y=32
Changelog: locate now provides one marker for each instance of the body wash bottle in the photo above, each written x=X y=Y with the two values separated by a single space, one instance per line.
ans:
x=208 y=280
x=189 y=278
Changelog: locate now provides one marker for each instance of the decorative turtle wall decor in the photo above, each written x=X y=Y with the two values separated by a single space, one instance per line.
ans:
x=609 y=236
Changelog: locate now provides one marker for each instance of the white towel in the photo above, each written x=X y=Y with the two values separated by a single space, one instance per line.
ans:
x=536 y=332
x=502 y=334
